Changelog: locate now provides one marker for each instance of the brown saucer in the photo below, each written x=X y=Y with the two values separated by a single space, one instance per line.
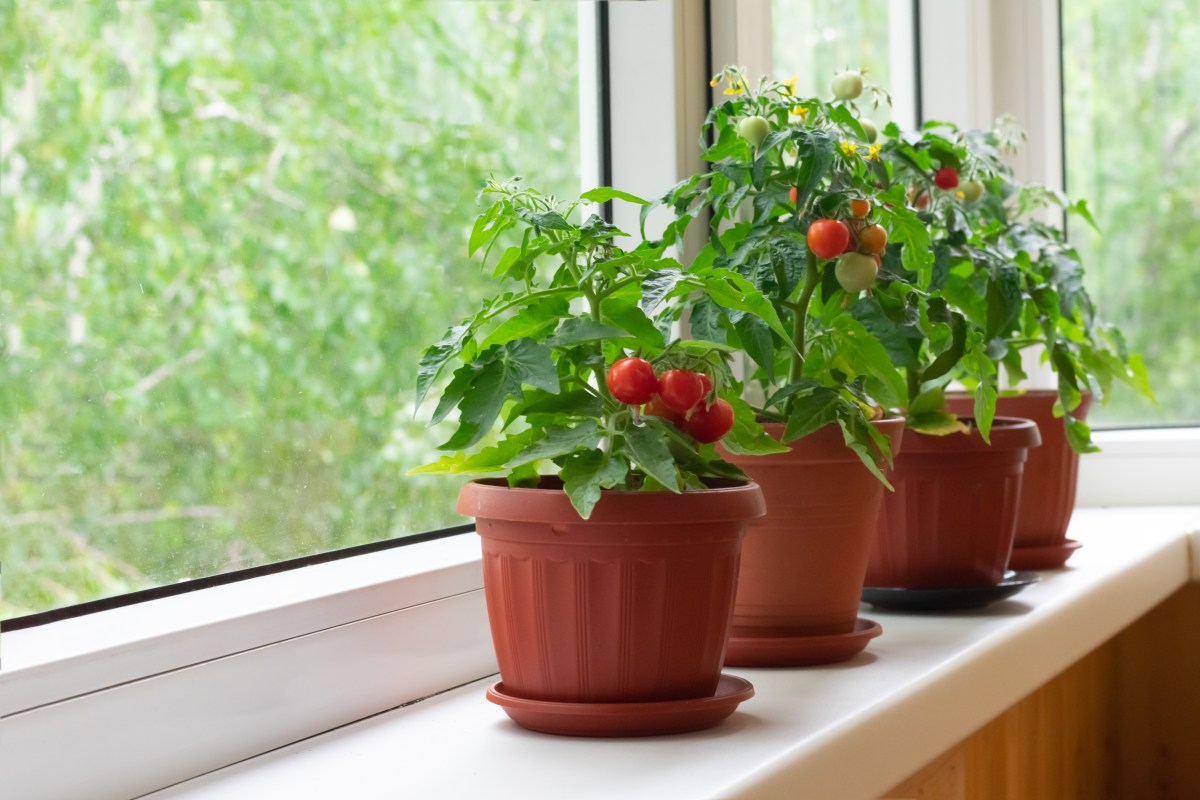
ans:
x=800 y=651
x=1049 y=557
x=625 y=719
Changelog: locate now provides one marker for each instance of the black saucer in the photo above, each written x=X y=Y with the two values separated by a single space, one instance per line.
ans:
x=952 y=599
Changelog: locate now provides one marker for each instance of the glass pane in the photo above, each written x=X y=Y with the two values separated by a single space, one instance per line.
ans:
x=229 y=227
x=813 y=40
x=1132 y=116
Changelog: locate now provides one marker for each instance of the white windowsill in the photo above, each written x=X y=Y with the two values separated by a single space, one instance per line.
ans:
x=838 y=731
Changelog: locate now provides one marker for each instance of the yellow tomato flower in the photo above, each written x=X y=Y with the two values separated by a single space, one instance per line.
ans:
x=715 y=81
x=733 y=90
x=800 y=111
x=849 y=148
x=959 y=194
x=789 y=86
x=873 y=152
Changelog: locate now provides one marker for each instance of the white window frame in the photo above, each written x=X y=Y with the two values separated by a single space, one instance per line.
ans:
x=121 y=702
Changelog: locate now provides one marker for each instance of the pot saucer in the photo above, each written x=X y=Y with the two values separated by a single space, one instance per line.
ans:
x=950 y=599
x=624 y=719
x=1049 y=557
x=800 y=651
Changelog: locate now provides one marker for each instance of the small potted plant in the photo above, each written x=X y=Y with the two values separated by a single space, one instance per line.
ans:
x=611 y=543
x=796 y=210
x=1039 y=302
x=950 y=524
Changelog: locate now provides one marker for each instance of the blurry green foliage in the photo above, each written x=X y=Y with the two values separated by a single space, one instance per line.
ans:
x=1132 y=113
x=227 y=229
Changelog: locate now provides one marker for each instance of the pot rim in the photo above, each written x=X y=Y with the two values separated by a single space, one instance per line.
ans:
x=1008 y=433
x=492 y=498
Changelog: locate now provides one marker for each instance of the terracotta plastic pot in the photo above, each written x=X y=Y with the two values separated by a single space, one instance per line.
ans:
x=951 y=521
x=1051 y=476
x=803 y=563
x=632 y=605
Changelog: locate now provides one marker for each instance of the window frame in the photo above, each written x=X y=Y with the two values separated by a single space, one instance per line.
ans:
x=376 y=630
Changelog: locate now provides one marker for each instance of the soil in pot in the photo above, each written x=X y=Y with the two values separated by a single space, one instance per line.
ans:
x=803 y=563
x=1049 y=482
x=951 y=521
x=630 y=606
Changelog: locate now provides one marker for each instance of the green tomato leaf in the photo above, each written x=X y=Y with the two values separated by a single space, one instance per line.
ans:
x=533 y=321
x=657 y=285
x=499 y=374
x=811 y=411
x=901 y=340
x=868 y=444
x=576 y=403
x=928 y=401
x=860 y=353
x=584 y=329
x=436 y=356
x=603 y=194
x=547 y=220
x=935 y=423
x=621 y=309
x=758 y=343
x=647 y=448
x=488 y=460
x=1003 y=300
x=560 y=441
x=585 y=473
x=747 y=437
x=1079 y=435
x=730 y=290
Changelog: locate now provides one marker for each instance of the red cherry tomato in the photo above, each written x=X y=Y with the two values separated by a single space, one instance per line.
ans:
x=860 y=208
x=681 y=389
x=657 y=408
x=828 y=238
x=710 y=422
x=946 y=178
x=632 y=381
x=708 y=383
x=793 y=195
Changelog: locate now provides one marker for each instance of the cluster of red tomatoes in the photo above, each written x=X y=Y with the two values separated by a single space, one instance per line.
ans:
x=678 y=395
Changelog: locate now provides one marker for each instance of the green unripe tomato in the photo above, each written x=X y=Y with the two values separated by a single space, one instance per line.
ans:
x=972 y=191
x=753 y=130
x=869 y=129
x=847 y=85
x=856 y=271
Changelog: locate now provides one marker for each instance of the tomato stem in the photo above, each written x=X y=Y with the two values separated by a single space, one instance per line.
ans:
x=812 y=278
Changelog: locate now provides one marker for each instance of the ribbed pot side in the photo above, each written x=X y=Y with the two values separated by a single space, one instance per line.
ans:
x=803 y=563
x=1051 y=472
x=951 y=521
x=632 y=605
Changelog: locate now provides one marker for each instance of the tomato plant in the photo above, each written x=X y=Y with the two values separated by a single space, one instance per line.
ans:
x=828 y=238
x=710 y=422
x=545 y=382
x=632 y=381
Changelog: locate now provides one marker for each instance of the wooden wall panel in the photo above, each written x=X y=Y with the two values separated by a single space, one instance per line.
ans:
x=1158 y=702
x=1123 y=723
